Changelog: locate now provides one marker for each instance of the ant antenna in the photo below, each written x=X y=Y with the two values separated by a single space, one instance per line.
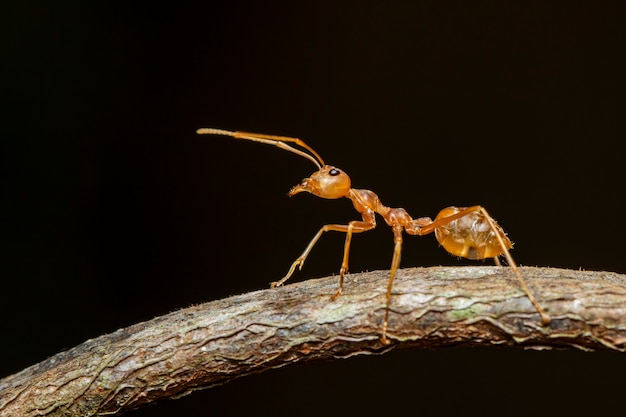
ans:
x=278 y=141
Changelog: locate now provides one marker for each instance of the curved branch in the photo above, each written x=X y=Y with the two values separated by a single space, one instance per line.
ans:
x=210 y=344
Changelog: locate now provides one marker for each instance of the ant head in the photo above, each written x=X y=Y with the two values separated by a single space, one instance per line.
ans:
x=328 y=182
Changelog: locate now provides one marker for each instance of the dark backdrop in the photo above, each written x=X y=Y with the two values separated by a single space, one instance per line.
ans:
x=113 y=211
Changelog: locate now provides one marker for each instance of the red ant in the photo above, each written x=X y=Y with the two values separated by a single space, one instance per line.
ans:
x=468 y=232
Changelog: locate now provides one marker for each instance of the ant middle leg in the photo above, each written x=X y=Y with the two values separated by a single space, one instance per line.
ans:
x=395 y=264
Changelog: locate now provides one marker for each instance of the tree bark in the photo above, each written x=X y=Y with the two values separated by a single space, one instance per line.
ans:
x=210 y=344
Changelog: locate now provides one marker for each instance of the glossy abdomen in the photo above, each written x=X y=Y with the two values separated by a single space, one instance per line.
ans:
x=470 y=236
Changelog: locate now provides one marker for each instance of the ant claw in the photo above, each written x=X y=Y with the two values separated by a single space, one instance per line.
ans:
x=336 y=295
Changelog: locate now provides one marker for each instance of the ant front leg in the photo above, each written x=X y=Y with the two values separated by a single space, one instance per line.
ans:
x=368 y=223
x=300 y=261
x=353 y=227
x=344 y=262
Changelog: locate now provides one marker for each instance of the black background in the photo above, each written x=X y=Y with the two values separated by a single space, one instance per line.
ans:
x=113 y=211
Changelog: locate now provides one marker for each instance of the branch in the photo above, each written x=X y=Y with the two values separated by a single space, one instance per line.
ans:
x=210 y=344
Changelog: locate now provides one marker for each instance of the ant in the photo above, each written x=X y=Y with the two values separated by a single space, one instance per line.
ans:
x=468 y=232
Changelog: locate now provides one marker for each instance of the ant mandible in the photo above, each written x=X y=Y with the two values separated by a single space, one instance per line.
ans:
x=468 y=232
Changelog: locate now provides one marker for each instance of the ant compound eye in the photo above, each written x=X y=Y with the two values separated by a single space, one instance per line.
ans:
x=334 y=172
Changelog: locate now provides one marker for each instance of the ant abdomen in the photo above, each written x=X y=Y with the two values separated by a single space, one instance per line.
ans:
x=470 y=236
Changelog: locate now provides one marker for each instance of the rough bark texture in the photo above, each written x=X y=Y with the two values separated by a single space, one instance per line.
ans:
x=212 y=343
